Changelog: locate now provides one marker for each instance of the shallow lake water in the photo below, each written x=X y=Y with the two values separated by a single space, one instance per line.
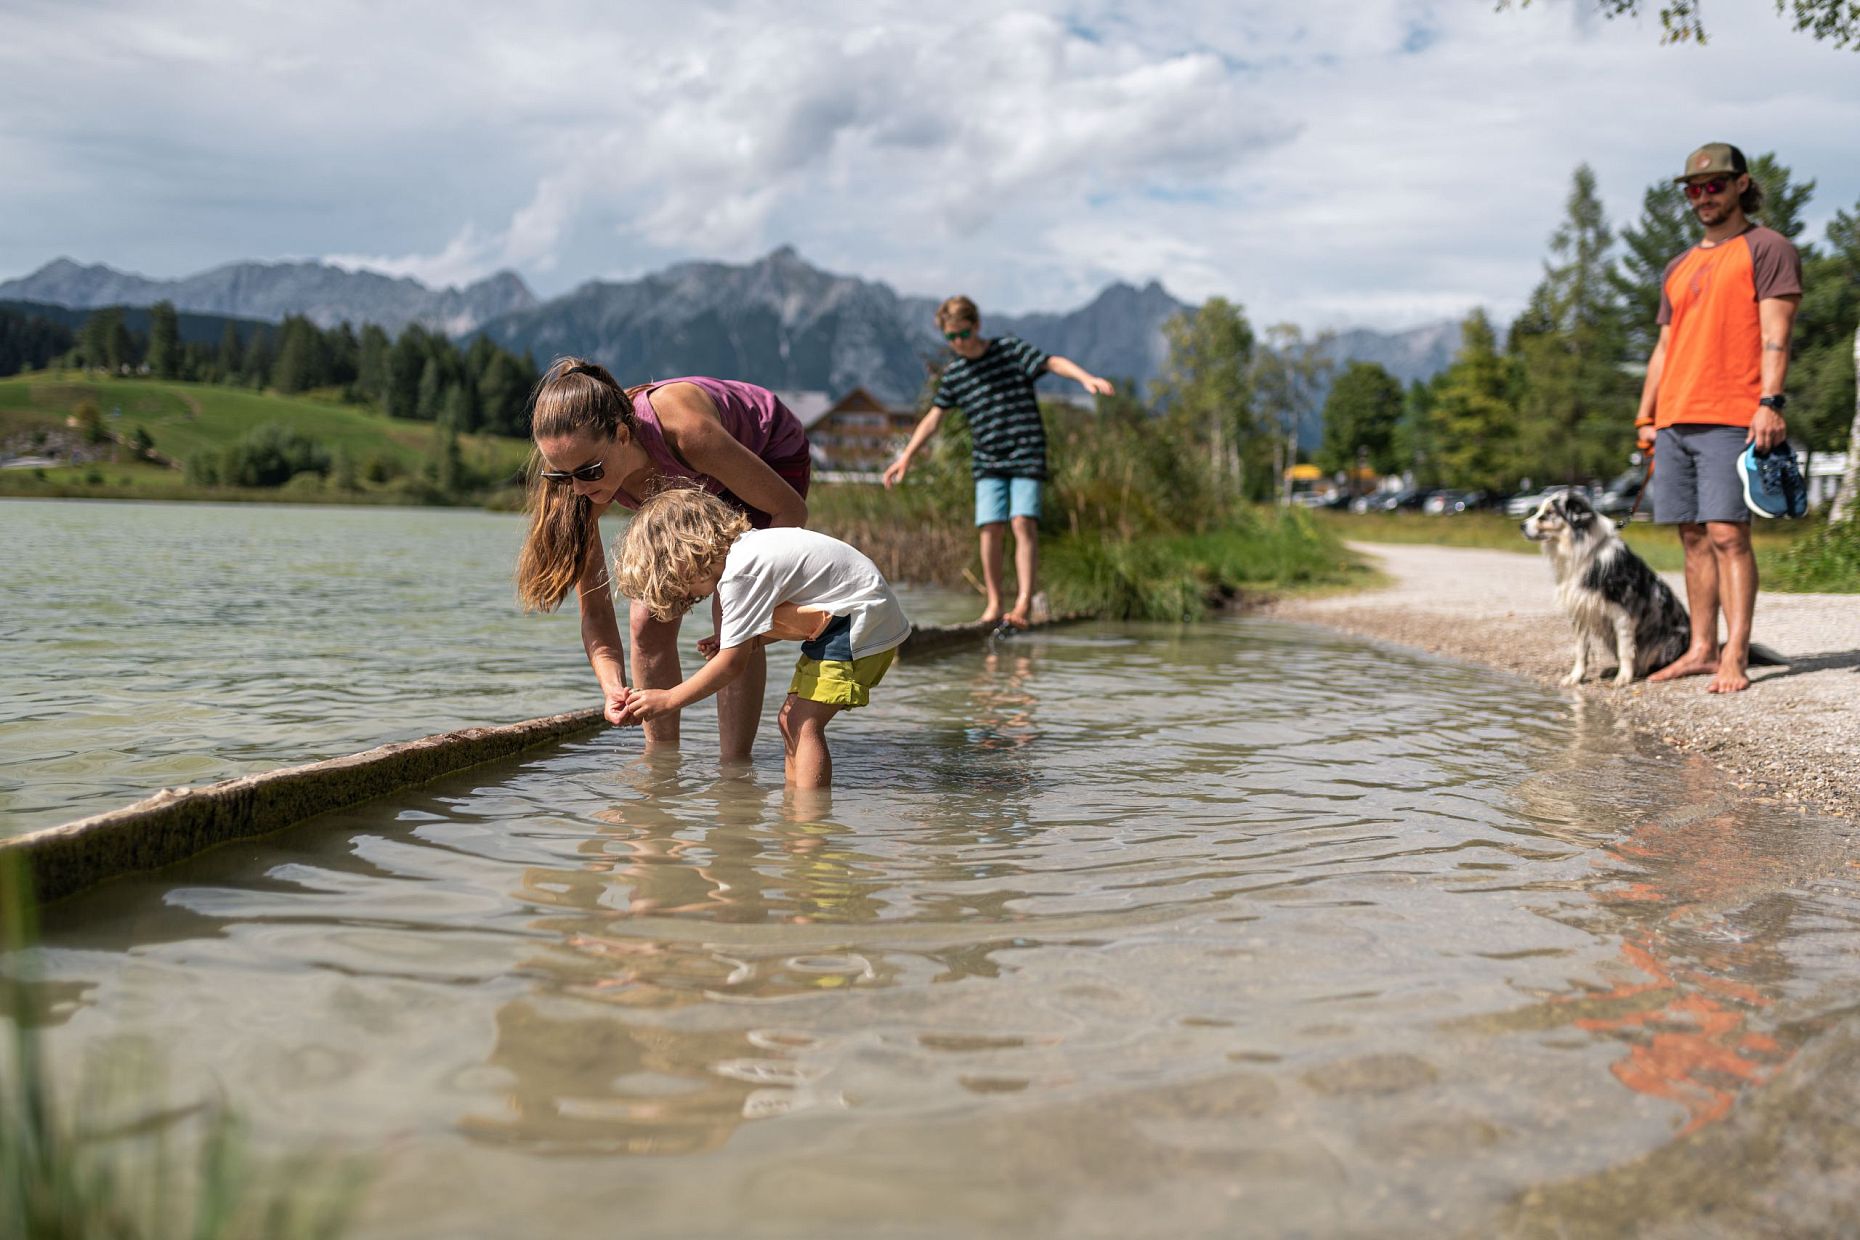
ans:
x=151 y=645
x=1231 y=929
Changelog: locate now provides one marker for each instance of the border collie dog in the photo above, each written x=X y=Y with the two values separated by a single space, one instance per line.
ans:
x=1612 y=597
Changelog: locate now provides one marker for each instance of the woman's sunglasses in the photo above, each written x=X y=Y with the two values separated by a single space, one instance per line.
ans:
x=964 y=334
x=1698 y=189
x=593 y=471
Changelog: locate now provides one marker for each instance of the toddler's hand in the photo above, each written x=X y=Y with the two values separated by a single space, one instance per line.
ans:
x=644 y=704
x=707 y=646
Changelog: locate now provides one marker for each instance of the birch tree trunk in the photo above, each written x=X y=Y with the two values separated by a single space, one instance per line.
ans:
x=1845 y=500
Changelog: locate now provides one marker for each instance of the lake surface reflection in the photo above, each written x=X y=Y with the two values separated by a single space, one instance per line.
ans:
x=1237 y=928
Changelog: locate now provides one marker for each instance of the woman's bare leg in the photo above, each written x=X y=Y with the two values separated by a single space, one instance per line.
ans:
x=655 y=666
x=739 y=703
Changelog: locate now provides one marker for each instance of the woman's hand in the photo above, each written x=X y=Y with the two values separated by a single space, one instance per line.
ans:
x=707 y=647
x=615 y=707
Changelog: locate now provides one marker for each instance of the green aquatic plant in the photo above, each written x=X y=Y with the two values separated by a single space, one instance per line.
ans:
x=122 y=1163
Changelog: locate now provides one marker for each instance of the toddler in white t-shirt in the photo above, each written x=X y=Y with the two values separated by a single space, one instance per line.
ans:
x=781 y=584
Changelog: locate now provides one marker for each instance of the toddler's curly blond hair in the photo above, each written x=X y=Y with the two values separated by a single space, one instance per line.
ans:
x=677 y=537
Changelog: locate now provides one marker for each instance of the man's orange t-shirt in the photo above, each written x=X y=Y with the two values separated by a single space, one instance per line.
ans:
x=1714 y=353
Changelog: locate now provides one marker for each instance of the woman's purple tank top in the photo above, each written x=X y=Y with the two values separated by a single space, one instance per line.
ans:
x=753 y=416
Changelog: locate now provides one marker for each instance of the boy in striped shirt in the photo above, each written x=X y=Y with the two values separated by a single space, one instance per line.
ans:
x=991 y=381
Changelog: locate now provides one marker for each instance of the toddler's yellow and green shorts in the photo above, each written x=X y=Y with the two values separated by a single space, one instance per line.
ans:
x=821 y=677
x=835 y=682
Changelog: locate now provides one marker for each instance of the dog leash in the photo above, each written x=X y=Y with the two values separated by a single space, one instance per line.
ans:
x=1641 y=494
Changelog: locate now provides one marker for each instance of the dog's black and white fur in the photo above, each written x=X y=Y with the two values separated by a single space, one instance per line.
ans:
x=1612 y=597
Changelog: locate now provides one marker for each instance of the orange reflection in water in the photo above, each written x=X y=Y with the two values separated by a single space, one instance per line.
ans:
x=1714 y=886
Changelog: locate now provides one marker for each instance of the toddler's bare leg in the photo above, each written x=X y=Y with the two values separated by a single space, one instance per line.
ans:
x=804 y=742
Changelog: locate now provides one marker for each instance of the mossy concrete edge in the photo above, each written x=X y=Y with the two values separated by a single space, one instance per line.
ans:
x=177 y=823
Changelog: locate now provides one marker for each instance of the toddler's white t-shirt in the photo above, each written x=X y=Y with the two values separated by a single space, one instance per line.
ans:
x=766 y=568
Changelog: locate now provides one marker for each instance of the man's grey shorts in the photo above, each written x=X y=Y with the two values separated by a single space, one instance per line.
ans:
x=1695 y=475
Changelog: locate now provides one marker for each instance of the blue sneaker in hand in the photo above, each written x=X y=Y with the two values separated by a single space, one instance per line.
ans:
x=1772 y=481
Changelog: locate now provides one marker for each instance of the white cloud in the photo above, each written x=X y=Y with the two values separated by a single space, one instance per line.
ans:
x=1333 y=162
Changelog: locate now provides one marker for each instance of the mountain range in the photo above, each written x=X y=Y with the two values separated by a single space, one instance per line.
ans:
x=778 y=320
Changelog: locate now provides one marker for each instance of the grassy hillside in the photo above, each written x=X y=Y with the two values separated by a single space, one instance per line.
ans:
x=186 y=419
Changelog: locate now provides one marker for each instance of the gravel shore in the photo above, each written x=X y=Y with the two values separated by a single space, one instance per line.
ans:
x=1795 y=734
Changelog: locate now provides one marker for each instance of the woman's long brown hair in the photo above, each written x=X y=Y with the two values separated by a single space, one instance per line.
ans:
x=575 y=397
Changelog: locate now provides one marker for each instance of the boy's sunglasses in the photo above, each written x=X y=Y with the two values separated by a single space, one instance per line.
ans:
x=593 y=471
x=1698 y=189
x=964 y=334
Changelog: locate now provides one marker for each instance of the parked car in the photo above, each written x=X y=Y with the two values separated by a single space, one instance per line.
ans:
x=1524 y=505
x=1617 y=498
x=1448 y=502
x=1389 y=501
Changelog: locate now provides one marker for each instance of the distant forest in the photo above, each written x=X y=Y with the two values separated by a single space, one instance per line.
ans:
x=420 y=374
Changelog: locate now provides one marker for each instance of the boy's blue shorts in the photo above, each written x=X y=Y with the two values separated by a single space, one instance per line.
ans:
x=997 y=499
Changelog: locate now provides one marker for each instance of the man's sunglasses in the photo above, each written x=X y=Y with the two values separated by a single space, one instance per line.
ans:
x=1698 y=189
x=593 y=471
x=964 y=334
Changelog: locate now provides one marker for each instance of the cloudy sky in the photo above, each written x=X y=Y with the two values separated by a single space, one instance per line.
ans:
x=1329 y=162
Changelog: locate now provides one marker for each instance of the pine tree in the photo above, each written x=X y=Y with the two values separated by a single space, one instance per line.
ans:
x=294 y=370
x=1821 y=376
x=121 y=352
x=1416 y=440
x=164 y=341
x=341 y=355
x=431 y=391
x=1666 y=229
x=503 y=395
x=1474 y=419
x=1578 y=404
x=256 y=372
x=94 y=338
x=406 y=365
x=230 y=358
x=1360 y=419
x=448 y=463
x=1783 y=199
x=371 y=365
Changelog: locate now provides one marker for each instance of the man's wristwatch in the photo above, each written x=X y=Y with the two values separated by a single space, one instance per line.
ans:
x=1776 y=402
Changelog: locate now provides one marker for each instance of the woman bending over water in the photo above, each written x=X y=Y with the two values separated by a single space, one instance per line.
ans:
x=598 y=444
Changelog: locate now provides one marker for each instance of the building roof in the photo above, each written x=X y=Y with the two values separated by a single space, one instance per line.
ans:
x=810 y=407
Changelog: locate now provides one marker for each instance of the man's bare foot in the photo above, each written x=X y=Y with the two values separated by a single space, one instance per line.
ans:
x=1731 y=678
x=1691 y=663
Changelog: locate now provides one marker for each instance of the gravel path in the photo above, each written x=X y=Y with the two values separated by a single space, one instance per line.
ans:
x=1795 y=733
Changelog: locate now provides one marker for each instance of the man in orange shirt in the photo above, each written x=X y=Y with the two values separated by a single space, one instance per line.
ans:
x=1715 y=384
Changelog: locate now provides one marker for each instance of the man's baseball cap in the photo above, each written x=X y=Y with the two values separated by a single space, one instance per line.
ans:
x=1713 y=159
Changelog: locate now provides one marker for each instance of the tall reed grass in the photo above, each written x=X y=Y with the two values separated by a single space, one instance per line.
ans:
x=1134 y=526
x=121 y=1161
